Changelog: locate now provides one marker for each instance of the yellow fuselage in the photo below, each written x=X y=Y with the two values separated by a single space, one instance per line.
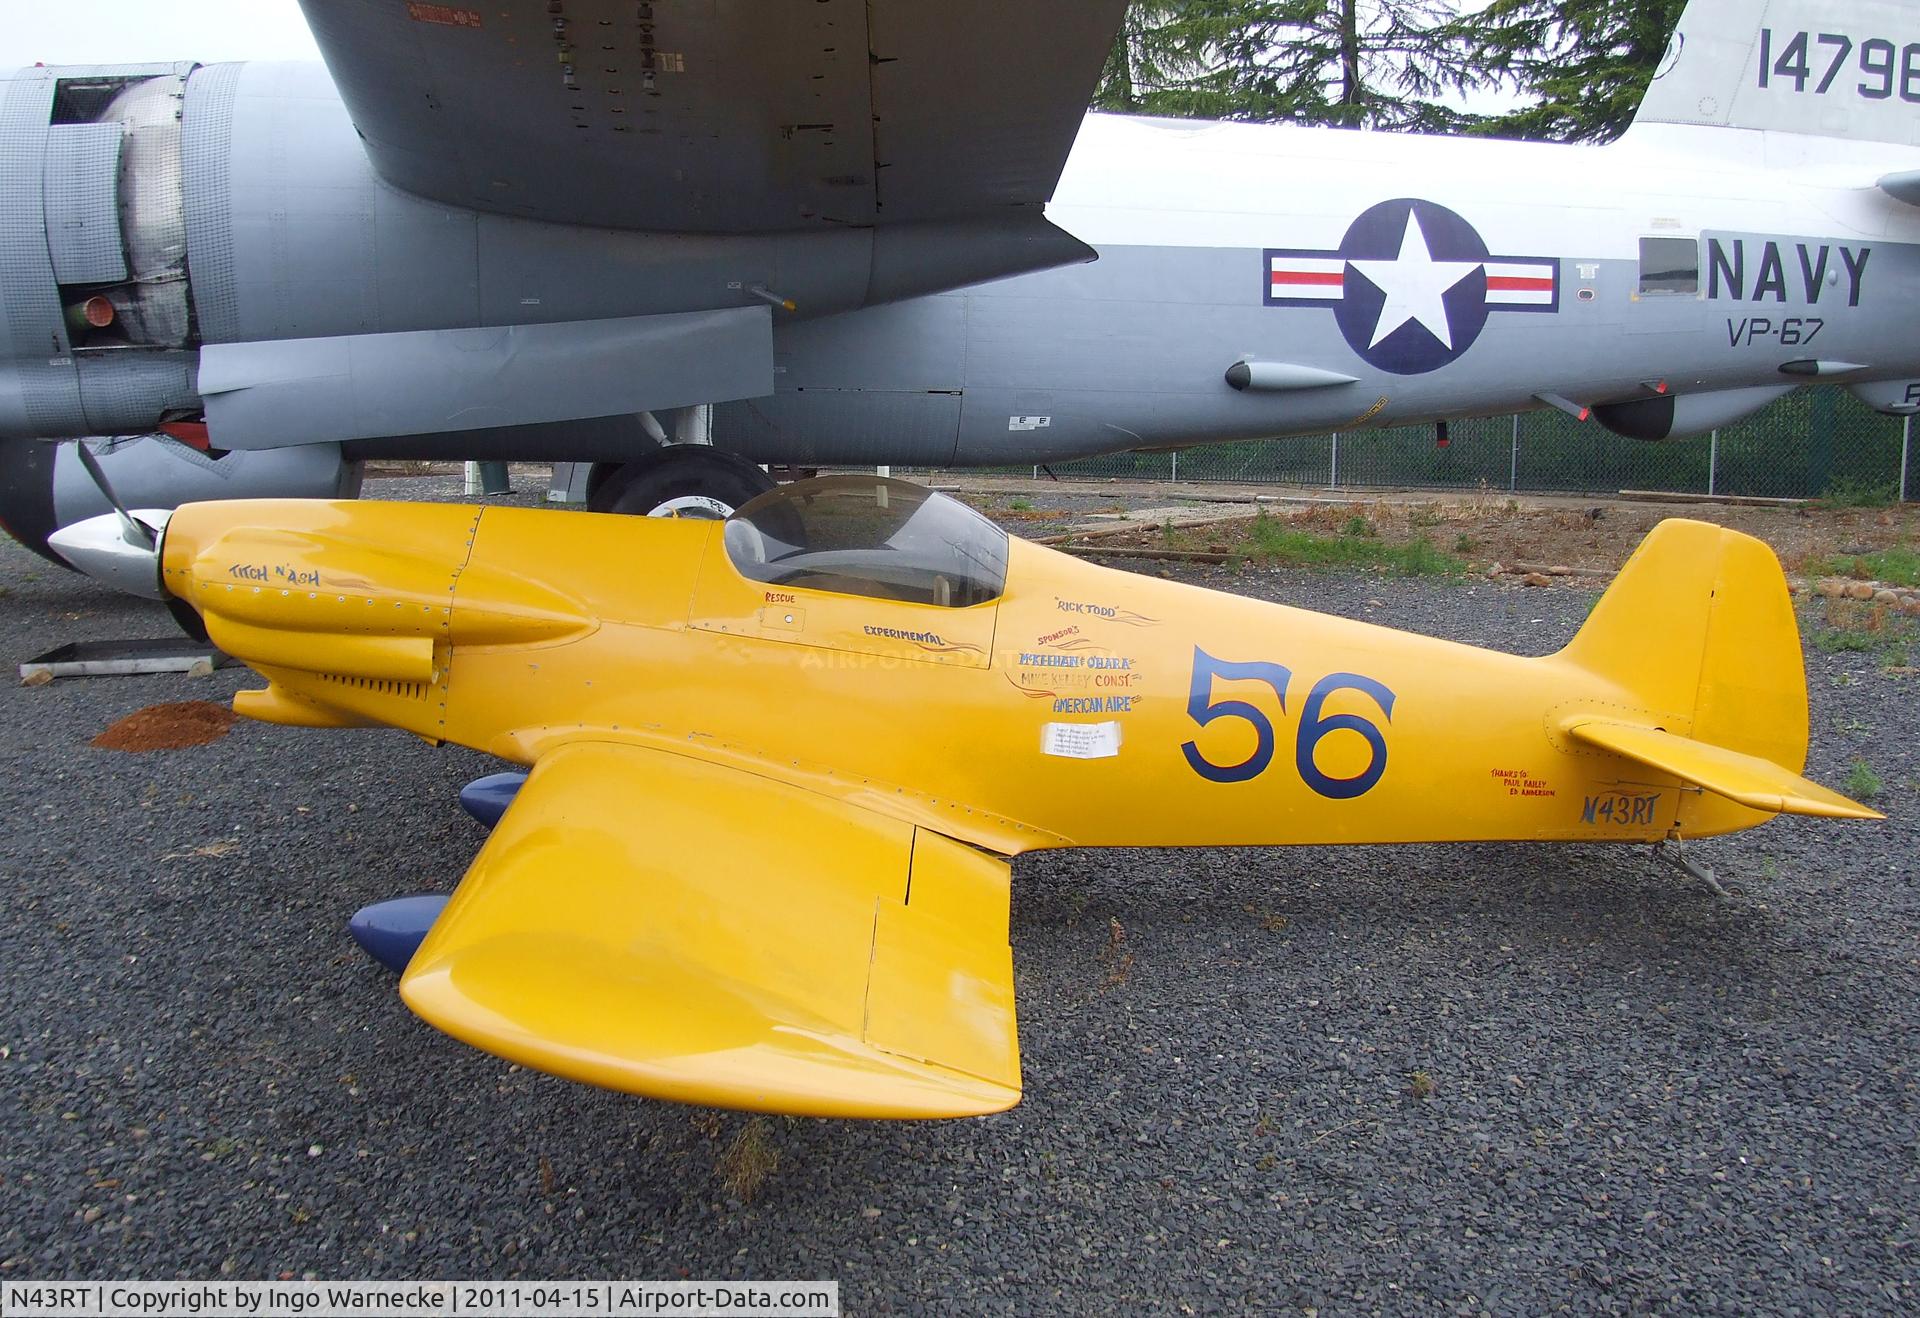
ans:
x=1085 y=707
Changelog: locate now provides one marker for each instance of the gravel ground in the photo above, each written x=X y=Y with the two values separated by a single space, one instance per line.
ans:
x=1641 y=1097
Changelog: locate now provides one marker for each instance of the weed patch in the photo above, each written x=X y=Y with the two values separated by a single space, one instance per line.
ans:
x=1862 y=627
x=1898 y=566
x=1849 y=492
x=1863 y=784
x=749 y=1160
x=1273 y=541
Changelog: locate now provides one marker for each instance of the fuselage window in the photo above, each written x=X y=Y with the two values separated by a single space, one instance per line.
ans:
x=1669 y=267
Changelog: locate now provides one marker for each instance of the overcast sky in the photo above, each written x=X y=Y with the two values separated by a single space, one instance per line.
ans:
x=122 y=31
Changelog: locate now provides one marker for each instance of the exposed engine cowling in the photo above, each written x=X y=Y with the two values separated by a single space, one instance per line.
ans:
x=1682 y=416
x=43 y=485
x=97 y=333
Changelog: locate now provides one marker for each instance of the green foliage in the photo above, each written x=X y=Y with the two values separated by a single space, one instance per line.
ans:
x=1273 y=541
x=1851 y=492
x=1162 y=61
x=1848 y=640
x=1847 y=626
x=1863 y=784
x=1420 y=558
x=1346 y=63
x=1899 y=566
x=1792 y=449
x=1588 y=62
x=1582 y=65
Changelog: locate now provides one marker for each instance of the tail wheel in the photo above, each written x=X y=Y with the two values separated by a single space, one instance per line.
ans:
x=681 y=481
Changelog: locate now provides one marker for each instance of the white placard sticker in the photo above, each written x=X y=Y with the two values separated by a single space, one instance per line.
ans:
x=1081 y=741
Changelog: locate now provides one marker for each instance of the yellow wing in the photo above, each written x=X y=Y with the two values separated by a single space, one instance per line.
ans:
x=1747 y=779
x=682 y=930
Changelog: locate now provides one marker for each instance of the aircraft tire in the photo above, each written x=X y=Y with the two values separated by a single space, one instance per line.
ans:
x=685 y=480
x=597 y=477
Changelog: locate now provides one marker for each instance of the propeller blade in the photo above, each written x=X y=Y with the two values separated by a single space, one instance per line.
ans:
x=132 y=530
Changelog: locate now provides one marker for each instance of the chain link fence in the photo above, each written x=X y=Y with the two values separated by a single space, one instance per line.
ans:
x=1814 y=443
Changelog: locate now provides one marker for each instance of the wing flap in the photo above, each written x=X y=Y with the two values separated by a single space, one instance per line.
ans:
x=1748 y=780
x=673 y=928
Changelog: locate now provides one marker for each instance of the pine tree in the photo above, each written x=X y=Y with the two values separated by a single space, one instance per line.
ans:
x=1350 y=63
x=1161 y=61
x=1588 y=62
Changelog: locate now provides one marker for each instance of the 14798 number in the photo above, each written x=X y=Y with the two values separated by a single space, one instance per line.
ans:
x=1889 y=70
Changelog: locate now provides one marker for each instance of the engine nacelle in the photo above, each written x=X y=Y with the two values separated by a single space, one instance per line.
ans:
x=44 y=486
x=98 y=328
x=1681 y=416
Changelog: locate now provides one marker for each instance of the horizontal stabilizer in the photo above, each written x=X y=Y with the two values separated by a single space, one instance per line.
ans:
x=1749 y=780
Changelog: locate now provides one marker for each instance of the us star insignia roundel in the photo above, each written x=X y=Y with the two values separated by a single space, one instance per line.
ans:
x=1411 y=284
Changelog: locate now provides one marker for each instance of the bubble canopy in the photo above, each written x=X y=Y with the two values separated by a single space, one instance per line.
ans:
x=866 y=535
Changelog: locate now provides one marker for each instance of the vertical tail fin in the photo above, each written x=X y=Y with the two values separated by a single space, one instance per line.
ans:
x=1699 y=625
x=1825 y=68
x=1697 y=634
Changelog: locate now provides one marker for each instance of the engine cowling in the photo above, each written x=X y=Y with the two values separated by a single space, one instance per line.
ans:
x=43 y=485
x=1682 y=416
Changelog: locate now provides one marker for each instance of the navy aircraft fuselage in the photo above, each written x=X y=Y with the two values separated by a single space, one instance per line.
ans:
x=221 y=247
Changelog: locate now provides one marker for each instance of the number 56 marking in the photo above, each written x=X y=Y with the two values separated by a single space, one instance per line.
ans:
x=1203 y=709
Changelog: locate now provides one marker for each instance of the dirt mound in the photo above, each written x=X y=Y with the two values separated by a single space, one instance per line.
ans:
x=168 y=727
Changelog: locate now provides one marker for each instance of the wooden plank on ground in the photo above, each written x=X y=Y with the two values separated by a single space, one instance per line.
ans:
x=1734 y=500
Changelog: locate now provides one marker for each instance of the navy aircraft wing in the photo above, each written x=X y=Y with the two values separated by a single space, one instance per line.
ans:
x=718 y=116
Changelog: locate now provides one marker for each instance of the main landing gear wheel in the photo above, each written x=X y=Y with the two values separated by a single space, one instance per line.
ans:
x=681 y=481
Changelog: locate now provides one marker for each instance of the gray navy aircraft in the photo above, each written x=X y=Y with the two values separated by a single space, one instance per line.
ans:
x=871 y=231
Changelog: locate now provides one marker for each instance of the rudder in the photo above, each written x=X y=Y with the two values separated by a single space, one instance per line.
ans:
x=1698 y=637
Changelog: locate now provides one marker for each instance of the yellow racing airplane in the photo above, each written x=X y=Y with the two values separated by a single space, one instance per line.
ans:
x=779 y=763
